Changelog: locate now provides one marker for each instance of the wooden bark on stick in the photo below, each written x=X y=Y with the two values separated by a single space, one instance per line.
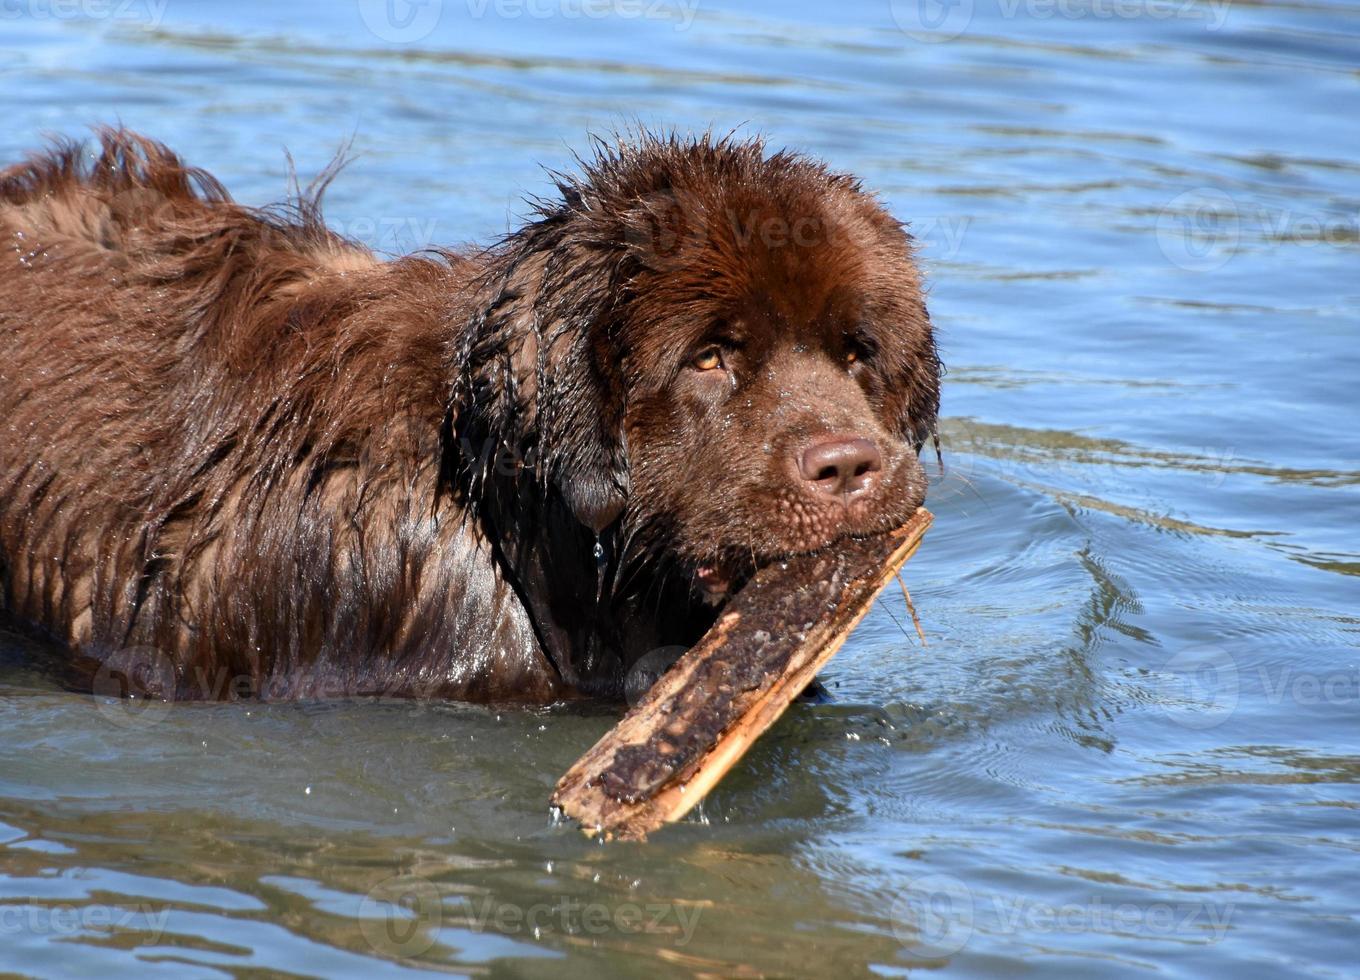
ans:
x=702 y=715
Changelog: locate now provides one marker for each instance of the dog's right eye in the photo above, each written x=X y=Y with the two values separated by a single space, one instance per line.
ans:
x=708 y=359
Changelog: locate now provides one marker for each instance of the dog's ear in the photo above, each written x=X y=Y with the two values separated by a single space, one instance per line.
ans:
x=921 y=382
x=543 y=370
x=912 y=363
x=580 y=408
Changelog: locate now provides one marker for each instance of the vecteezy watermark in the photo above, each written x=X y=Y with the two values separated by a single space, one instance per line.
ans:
x=134 y=686
x=940 y=237
x=647 y=670
x=945 y=20
x=933 y=916
x=1207 y=922
x=936 y=915
x=680 y=12
x=1217 y=463
x=932 y=20
x=1304 y=688
x=74 y=920
x=148 y=12
x=401 y=21
x=1212 y=13
x=392 y=234
x=1201 y=686
x=665 y=228
x=402 y=916
x=1200 y=230
x=407 y=21
x=668 y=229
x=1198 y=687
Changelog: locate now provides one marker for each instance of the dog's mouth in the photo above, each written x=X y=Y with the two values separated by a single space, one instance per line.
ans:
x=714 y=582
x=716 y=579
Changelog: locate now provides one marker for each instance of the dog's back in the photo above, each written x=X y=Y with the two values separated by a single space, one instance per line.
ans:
x=192 y=394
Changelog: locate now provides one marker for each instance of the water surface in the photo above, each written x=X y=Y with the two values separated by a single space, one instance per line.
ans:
x=1131 y=747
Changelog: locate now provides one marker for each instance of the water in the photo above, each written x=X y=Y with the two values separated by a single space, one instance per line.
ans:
x=1132 y=744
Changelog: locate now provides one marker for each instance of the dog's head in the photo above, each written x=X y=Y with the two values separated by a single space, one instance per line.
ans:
x=731 y=351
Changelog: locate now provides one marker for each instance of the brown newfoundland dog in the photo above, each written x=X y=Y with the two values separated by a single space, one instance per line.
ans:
x=242 y=456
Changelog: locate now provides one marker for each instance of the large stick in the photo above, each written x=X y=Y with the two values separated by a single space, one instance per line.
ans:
x=705 y=712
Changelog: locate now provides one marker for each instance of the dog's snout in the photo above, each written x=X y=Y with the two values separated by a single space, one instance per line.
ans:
x=840 y=466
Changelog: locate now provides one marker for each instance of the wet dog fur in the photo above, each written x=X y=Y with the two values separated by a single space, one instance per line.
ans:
x=243 y=456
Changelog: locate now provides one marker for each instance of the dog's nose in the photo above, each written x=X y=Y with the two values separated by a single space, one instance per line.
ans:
x=840 y=467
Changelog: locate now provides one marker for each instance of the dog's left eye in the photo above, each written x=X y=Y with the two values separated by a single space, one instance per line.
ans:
x=708 y=359
x=856 y=353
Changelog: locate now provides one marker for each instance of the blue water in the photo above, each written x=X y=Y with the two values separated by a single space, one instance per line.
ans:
x=1132 y=746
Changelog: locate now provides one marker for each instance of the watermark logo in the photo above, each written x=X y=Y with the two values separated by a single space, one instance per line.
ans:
x=945 y=20
x=940 y=237
x=669 y=229
x=390 y=234
x=400 y=916
x=1217 y=463
x=147 y=12
x=932 y=21
x=408 y=21
x=1212 y=12
x=1192 y=922
x=934 y=916
x=665 y=229
x=647 y=670
x=680 y=12
x=1199 y=230
x=73 y=922
x=401 y=21
x=1199 y=687
x=134 y=686
x=937 y=915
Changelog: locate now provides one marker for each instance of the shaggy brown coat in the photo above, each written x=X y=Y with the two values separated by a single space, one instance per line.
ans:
x=241 y=455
